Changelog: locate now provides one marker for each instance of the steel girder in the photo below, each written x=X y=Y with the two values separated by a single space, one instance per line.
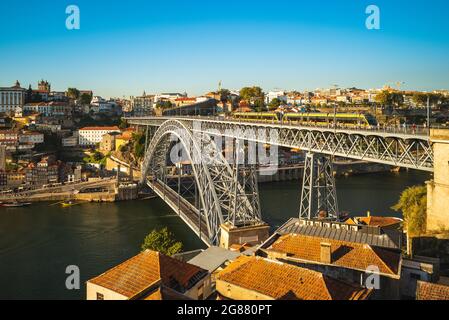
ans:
x=396 y=149
x=218 y=187
x=318 y=193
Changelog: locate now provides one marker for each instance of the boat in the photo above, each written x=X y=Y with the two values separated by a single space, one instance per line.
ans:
x=67 y=204
x=15 y=204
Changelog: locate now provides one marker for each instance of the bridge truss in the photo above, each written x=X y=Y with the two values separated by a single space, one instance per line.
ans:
x=391 y=148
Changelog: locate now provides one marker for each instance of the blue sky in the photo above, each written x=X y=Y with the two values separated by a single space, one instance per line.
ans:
x=125 y=47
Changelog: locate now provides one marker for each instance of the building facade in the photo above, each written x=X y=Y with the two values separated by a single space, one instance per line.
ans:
x=89 y=136
x=12 y=98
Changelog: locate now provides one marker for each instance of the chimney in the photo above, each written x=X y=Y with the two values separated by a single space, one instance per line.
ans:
x=326 y=253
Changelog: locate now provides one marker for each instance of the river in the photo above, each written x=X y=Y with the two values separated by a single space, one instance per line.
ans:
x=37 y=243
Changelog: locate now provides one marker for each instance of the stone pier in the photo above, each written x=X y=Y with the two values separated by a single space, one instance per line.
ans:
x=438 y=187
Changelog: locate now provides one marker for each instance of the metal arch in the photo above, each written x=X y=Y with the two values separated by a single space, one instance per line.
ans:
x=214 y=177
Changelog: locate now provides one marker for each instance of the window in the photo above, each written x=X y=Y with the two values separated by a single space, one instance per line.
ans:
x=201 y=292
x=415 y=276
x=100 y=296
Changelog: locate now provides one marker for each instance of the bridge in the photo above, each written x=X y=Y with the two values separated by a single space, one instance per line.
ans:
x=397 y=147
x=227 y=188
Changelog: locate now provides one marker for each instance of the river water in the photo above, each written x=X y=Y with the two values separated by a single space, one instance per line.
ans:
x=37 y=243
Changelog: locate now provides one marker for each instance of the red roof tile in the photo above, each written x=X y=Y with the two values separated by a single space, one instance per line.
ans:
x=286 y=282
x=345 y=254
x=431 y=291
x=141 y=271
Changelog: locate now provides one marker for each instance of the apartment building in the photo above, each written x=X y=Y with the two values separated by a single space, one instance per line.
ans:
x=89 y=136
x=12 y=98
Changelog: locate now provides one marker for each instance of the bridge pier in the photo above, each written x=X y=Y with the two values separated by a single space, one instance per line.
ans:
x=318 y=194
x=253 y=234
x=438 y=187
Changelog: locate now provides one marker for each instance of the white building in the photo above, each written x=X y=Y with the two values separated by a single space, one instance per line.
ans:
x=12 y=98
x=276 y=95
x=70 y=142
x=89 y=136
x=31 y=137
x=169 y=96
x=48 y=108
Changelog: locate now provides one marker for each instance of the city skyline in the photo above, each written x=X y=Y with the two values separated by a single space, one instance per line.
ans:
x=180 y=47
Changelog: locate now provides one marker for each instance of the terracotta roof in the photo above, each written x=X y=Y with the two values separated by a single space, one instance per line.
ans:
x=345 y=254
x=138 y=273
x=287 y=282
x=431 y=291
x=376 y=221
x=101 y=128
x=340 y=231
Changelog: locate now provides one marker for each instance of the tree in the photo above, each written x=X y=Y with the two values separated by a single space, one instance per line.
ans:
x=387 y=98
x=251 y=93
x=274 y=104
x=123 y=124
x=138 y=140
x=413 y=205
x=162 y=241
x=420 y=98
x=164 y=104
x=73 y=93
x=86 y=99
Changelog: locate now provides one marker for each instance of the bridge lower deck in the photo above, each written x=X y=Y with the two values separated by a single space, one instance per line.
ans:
x=188 y=213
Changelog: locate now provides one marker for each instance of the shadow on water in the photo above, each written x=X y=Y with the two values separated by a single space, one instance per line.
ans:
x=40 y=241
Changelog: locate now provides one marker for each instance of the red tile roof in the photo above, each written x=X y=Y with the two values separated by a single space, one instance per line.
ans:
x=101 y=128
x=283 y=281
x=431 y=291
x=376 y=221
x=345 y=254
x=141 y=271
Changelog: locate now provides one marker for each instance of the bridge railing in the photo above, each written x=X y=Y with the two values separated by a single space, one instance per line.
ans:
x=405 y=129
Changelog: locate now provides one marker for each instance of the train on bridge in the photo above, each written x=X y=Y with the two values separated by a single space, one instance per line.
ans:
x=347 y=120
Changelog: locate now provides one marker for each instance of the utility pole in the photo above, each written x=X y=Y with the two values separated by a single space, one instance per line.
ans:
x=428 y=115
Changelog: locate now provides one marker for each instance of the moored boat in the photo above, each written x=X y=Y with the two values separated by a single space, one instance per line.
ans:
x=15 y=204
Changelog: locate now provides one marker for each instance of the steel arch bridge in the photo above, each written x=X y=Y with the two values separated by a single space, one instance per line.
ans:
x=222 y=197
x=225 y=197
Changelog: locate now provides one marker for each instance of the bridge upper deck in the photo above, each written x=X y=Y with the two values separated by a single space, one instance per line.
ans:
x=407 y=147
x=403 y=132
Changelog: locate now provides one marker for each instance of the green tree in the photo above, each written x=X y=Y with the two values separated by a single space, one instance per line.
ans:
x=164 y=104
x=387 y=98
x=138 y=141
x=251 y=94
x=413 y=205
x=274 y=104
x=162 y=241
x=86 y=99
x=123 y=124
x=73 y=93
x=420 y=98
x=383 y=98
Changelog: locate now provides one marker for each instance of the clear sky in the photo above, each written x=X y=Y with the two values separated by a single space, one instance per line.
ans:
x=126 y=47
